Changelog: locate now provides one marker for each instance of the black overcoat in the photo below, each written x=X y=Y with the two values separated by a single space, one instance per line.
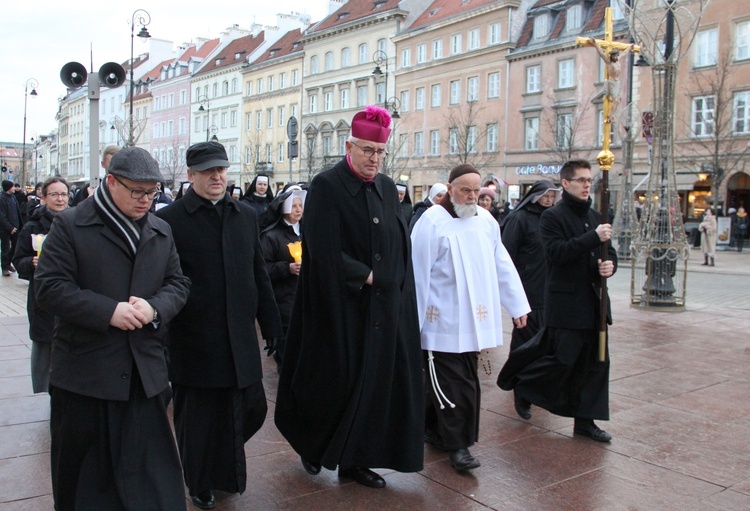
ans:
x=572 y=247
x=274 y=243
x=212 y=342
x=520 y=232
x=84 y=270
x=351 y=390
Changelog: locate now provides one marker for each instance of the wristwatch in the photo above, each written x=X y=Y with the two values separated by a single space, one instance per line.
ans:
x=156 y=316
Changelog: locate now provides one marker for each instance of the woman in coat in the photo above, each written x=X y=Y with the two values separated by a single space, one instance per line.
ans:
x=54 y=197
x=708 y=238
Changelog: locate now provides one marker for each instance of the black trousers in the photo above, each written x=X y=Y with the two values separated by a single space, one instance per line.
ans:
x=8 y=246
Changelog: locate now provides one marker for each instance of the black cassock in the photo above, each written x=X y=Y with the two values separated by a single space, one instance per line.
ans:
x=350 y=390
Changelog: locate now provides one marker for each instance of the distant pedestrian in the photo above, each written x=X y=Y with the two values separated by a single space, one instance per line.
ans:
x=10 y=226
x=435 y=195
x=709 y=230
x=740 y=227
x=407 y=208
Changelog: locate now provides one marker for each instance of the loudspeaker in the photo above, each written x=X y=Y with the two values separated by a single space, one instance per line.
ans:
x=73 y=75
x=111 y=75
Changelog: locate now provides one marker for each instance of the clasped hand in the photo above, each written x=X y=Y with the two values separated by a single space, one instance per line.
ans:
x=132 y=314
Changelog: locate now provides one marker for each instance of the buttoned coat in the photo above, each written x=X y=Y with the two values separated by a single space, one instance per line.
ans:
x=212 y=342
x=84 y=271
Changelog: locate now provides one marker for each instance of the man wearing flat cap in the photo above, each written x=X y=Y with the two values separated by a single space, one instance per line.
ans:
x=350 y=389
x=110 y=273
x=464 y=276
x=215 y=364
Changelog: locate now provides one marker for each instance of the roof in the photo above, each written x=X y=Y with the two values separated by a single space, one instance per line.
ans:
x=151 y=76
x=443 y=9
x=236 y=52
x=354 y=10
x=202 y=52
x=288 y=44
x=594 y=21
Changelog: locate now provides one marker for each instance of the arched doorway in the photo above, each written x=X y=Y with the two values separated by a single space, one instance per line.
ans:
x=738 y=191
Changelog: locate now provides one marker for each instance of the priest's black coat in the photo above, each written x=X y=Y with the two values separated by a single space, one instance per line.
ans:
x=351 y=389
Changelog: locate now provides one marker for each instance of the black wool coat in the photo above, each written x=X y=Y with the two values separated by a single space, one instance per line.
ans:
x=572 y=247
x=41 y=322
x=84 y=271
x=273 y=242
x=520 y=232
x=212 y=342
x=350 y=390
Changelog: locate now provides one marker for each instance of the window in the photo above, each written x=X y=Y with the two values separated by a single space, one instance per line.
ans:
x=269 y=117
x=258 y=120
x=491 y=138
x=474 y=39
x=281 y=152
x=248 y=121
x=282 y=80
x=703 y=116
x=421 y=53
x=294 y=112
x=183 y=126
x=249 y=88
x=313 y=64
x=437 y=49
x=564 y=135
x=271 y=83
x=382 y=45
x=216 y=90
x=183 y=96
x=419 y=144
x=329 y=61
x=346 y=57
x=268 y=152
x=327 y=101
x=436 y=95
x=742 y=112
x=472 y=85
x=295 y=77
x=493 y=85
x=403 y=146
x=225 y=88
x=616 y=11
x=259 y=86
x=533 y=75
x=455 y=92
x=234 y=86
x=223 y=119
x=406 y=57
x=404 y=100
x=380 y=93
x=494 y=33
x=364 y=58
x=326 y=145
x=281 y=115
x=743 y=41
x=248 y=154
x=196 y=124
x=419 y=100
x=453 y=141
x=361 y=95
x=540 y=26
x=573 y=17
x=456 y=44
x=565 y=74
x=471 y=139
x=170 y=100
x=342 y=144
x=232 y=153
x=531 y=134
x=157 y=104
x=233 y=118
x=313 y=100
x=705 y=47
x=344 y=98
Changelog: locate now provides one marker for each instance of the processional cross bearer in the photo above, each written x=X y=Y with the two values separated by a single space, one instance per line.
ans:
x=610 y=51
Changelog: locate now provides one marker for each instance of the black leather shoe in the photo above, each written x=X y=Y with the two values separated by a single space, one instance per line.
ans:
x=204 y=500
x=523 y=407
x=311 y=468
x=363 y=476
x=461 y=459
x=591 y=430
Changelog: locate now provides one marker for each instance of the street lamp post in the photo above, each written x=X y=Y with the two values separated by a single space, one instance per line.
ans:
x=143 y=18
x=203 y=100
x=214 y=130
x=380 y=58
x=33 y=84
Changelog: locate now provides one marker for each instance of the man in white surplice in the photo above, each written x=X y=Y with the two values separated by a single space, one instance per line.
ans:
x=463 y=276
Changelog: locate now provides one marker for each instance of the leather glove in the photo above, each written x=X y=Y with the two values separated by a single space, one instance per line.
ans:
x=271 y=345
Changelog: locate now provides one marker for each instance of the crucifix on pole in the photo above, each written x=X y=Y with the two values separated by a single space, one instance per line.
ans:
x=609 y=51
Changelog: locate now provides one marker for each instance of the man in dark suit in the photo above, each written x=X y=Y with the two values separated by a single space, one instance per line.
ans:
x=567 y=378
x=110 y=273
x=215 y=365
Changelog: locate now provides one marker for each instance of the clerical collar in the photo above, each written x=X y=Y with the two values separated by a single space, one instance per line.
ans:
x=351 y=168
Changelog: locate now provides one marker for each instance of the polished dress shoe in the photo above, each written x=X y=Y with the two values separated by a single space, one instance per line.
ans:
x=204 y=499
x=311 y=468
x=363 y=476
x=523 y=407
x=591 y=430
x=461 y=459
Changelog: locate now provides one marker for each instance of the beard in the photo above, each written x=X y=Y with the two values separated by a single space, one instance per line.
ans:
x=465 y=210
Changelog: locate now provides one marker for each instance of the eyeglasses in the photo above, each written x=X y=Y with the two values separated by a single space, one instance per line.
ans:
x=582 y=180
x=57 y=195
x=139 y=194
x=371 y=151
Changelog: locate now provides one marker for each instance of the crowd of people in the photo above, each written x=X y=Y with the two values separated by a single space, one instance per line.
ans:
x=375 y=311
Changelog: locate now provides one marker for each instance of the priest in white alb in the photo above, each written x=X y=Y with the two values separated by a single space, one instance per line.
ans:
x=463 y=277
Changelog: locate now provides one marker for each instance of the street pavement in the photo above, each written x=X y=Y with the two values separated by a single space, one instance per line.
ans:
x=680 y=418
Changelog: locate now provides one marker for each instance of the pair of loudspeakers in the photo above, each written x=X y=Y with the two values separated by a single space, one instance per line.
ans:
x=73 y=75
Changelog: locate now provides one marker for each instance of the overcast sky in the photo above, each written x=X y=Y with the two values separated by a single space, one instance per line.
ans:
x=39 y=36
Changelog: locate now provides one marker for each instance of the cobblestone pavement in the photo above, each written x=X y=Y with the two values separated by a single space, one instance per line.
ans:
x=680 y=418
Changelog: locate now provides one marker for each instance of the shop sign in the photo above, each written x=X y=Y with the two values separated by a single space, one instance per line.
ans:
x=538 y=169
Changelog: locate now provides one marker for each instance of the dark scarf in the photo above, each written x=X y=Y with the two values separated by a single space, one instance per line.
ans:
x=125 y=228
x=580 y=207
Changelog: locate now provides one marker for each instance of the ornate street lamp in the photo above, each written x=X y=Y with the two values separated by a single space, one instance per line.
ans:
x=380 y=58
x=205 y=106
x=32 y=84
x=143 y=18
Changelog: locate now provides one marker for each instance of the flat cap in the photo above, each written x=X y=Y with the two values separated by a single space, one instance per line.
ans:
x=136 y=164
x=206 y=155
